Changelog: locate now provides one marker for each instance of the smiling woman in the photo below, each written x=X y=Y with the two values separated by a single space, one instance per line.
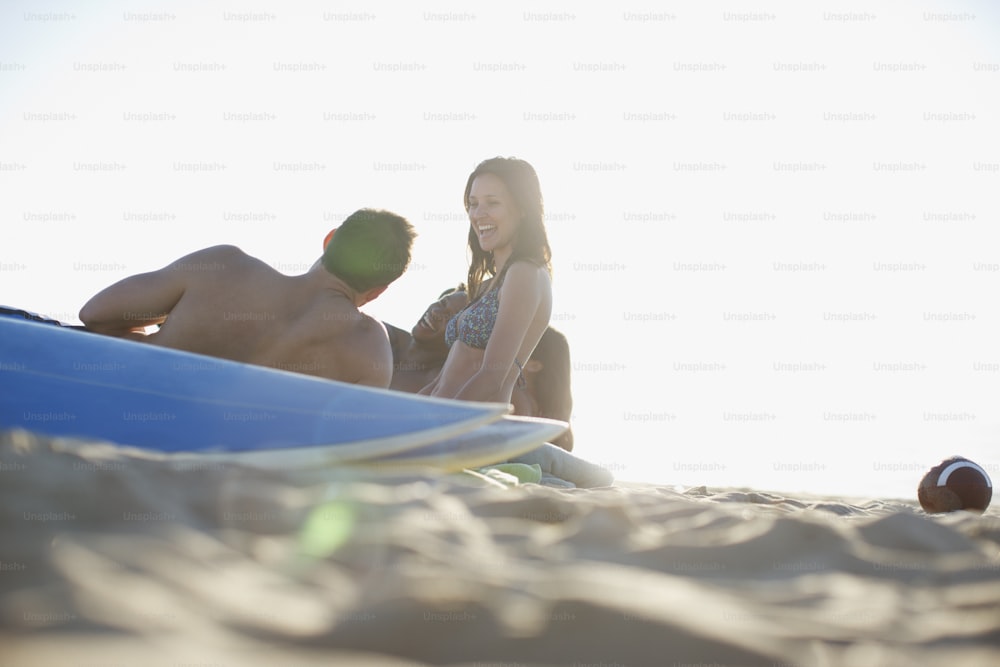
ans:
x=509 y=285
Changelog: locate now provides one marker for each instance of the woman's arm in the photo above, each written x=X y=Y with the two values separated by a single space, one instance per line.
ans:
x=525 y=288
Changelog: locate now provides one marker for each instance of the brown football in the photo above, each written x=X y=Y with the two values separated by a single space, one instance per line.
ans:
x=955 y=484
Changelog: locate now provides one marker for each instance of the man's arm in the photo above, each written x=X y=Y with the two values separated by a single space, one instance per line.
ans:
x=123 y=309
x=129 y=305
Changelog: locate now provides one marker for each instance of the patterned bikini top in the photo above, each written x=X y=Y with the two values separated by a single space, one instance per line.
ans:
x=473 y=324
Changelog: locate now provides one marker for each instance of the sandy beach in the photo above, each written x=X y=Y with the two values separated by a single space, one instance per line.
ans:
x=108 y=558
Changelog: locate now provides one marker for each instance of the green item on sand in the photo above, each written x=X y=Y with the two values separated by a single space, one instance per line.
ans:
x=524 y=473
x=326 y=529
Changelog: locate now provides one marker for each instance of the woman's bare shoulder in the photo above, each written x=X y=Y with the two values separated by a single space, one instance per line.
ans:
x=524 y=274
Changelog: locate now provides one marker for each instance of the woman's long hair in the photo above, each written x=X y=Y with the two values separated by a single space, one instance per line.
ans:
x=531 y=243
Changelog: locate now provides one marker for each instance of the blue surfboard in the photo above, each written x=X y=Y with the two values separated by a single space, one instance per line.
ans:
x=62 y=382
x=489 y=443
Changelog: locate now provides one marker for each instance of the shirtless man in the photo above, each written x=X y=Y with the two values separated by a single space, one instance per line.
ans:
x=222 y=302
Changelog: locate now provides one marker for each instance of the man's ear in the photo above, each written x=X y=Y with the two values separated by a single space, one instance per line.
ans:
x=326 y=241
x=533 y=366
x=371 y=294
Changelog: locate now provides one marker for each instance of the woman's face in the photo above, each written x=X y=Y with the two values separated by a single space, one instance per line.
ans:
x=431 y=324
x=493 y=214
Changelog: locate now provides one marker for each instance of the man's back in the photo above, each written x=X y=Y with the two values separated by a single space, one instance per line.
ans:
x=222 y=302
x=225 y=303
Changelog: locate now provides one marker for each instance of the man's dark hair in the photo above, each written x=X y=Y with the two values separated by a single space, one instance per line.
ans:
x=452 y=290
x=371 y=248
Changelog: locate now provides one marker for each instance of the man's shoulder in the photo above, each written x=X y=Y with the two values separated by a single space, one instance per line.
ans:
x=348 y=325
x=227 y=259
x=212 y=258
x=367 y=338
x=370 y=329
x=361 y=345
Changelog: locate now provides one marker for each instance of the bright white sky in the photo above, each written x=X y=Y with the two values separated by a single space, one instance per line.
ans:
x=775 y=229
